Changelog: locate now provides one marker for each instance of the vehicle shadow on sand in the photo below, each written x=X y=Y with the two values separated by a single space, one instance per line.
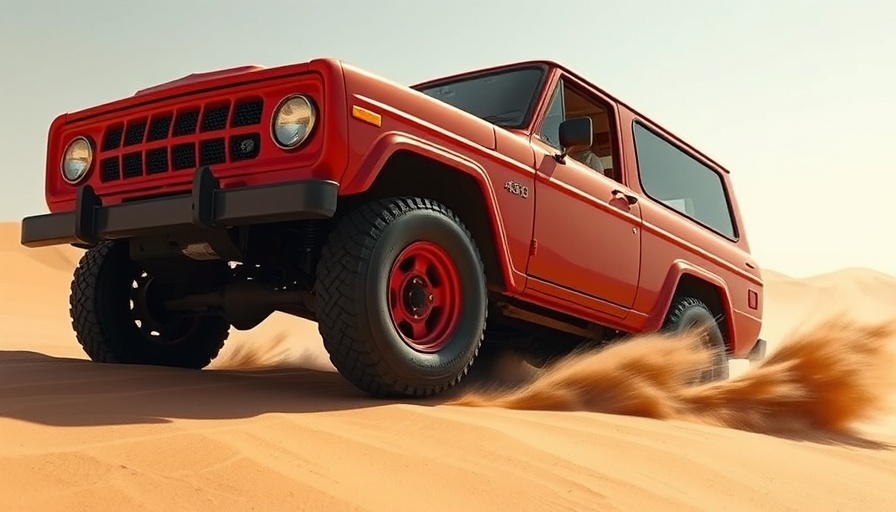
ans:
x=57 y=391
x=61 y=391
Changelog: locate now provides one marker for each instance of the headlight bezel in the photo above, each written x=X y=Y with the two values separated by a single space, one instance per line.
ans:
x=91 y=154
x=309 y=130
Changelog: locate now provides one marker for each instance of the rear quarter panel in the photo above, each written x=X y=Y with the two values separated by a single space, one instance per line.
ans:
x=673 y=245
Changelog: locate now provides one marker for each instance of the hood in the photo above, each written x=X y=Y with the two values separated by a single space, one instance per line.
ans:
x=193 y=78
x=190 y=84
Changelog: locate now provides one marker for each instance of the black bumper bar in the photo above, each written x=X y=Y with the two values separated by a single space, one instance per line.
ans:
x=207 y=207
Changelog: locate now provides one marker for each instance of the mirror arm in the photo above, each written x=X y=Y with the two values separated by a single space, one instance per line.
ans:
x=561 y=156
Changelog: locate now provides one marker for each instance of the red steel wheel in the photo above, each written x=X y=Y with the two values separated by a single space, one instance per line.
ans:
x=424 y=296
x=401 y=297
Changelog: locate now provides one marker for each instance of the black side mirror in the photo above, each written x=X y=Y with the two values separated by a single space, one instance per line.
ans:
x=576 y=133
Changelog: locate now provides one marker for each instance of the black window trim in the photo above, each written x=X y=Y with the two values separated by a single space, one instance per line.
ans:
x=689 y=154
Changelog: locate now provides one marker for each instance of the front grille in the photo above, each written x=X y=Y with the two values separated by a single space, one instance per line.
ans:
x=135 y=132
x=157 y=161
x=180 y=139
x=184 y=156
x=212 y=152
x=159 y=127
x=132 y=165
x=215 y=118
x=247 y=113
x=186 y=123
x=244 y=147
x=110 y=169
x=112 y=138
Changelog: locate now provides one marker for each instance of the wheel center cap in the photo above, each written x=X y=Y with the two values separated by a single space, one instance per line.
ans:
x=416 y=297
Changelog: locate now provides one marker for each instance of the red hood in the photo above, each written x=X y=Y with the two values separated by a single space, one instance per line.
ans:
x=192 y=83
x=200 y=77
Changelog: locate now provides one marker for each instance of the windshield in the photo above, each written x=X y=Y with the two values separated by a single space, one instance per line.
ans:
x=503 y=98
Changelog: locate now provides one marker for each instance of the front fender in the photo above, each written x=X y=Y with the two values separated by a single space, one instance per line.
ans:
x=390 y=143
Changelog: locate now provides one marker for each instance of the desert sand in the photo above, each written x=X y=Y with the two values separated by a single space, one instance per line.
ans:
x=270 y=425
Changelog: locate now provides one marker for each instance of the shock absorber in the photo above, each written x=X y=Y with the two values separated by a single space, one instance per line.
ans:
x=310 y=233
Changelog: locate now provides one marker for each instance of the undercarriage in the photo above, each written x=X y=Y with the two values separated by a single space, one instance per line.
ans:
x=244 y=273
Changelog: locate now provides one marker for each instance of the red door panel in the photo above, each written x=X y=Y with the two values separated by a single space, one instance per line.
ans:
x=588 y=238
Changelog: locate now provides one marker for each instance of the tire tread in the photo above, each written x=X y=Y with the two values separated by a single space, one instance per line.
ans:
x=350 y=246
x=101 y=336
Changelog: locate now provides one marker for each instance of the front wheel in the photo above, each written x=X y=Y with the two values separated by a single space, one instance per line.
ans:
x=401 y=294
x=117 y=316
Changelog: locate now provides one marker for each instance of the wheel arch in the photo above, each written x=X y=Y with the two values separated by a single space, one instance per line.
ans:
x=685 y=279
x=413 y=167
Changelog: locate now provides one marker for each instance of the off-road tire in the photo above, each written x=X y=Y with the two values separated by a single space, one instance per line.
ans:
x=352 y=289
x=104 y=324
x=686 y=313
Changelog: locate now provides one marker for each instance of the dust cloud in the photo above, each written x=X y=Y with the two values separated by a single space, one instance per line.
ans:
x=827 y=378
x=273 y=352
x=269 y=352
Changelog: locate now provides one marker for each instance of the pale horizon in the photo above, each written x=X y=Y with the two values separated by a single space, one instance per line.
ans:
x=794 y=98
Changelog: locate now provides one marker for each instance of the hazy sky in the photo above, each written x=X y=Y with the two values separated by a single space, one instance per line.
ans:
x=796 y=98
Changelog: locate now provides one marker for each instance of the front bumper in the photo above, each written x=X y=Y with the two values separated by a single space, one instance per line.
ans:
x=206 y=207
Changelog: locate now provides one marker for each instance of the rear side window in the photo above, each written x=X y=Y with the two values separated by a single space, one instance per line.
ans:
x=670 y=176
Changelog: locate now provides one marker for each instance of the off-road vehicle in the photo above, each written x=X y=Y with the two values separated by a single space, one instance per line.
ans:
x=519 y=204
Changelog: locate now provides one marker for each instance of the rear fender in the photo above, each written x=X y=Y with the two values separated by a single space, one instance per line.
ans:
x=677 y=271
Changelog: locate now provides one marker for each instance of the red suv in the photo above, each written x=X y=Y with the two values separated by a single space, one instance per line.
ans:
x=519 y=204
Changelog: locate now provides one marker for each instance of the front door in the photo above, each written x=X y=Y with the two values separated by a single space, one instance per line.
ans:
x=587 y=235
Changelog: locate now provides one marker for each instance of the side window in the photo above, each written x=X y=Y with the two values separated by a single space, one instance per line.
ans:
x=670 y=176
x=567 y=103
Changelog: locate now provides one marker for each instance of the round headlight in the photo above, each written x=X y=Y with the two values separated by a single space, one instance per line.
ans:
x=76 y=160
x=293 y=121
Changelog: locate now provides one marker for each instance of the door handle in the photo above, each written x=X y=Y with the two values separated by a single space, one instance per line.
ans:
x=628 y=197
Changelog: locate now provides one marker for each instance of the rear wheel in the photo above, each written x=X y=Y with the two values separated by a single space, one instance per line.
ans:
x=117 y=316
x=401 y=297
x=689 y=313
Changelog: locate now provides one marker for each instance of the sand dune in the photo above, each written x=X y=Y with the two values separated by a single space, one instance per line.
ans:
x=271 y=426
